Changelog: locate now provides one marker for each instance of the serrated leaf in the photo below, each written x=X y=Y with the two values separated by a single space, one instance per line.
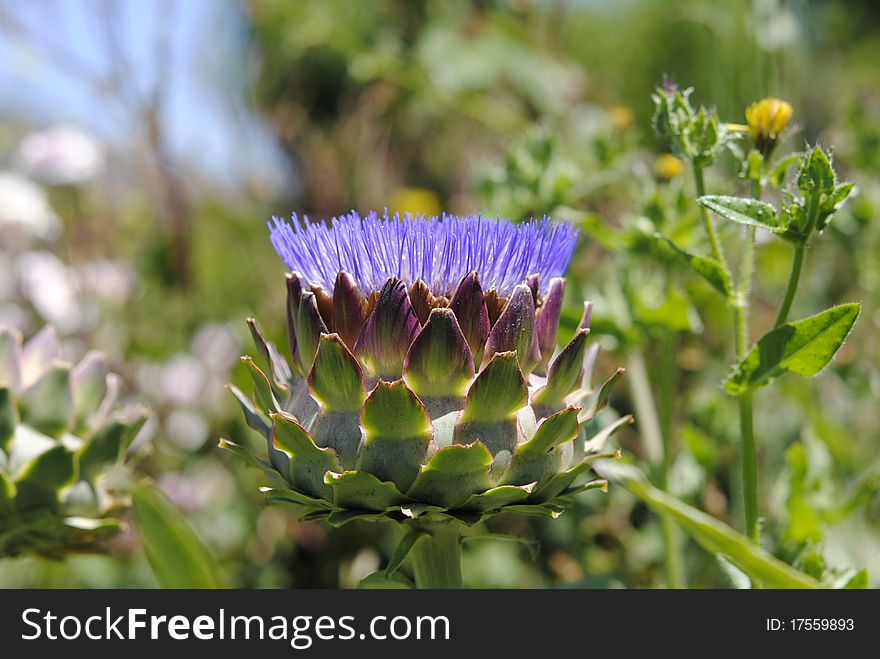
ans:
x=336 y=380
x=452 y=475
x=539 y=458
x=263 y=396
x=397 y=432
x=713 y=535
x=709 y=269
x=498 y=497
x=360 y=490
x=308 y=463
x=744 y=211
x=286 y=495
x=439 y=361
x=178 y=557
x=803 y=347
x=564 y=374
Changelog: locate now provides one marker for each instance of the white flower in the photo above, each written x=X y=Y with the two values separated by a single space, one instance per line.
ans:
x=60 y=155
x=25 y=208
x=52 y=289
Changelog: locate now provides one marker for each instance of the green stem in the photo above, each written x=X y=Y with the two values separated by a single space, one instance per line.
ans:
x=794 y=277
x=646 y=411
x=657 y=448
x=749 y=454
x=673 y=558
x=436 y=557
x=797 y=262
x=700 y=184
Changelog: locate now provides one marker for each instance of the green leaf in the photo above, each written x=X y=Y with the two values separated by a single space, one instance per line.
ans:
x=402 y=551
x=709 y=269
x=336 y=380
x=565 y=373
x=497 y=392
x=362 y=491
x=109 y=443
x=7 y=418
x=178 y=557
x=816 y=173
x=777 y=174
x=47 y=405
x=262 y=389
x=397 y=432
x=381 y=581
x=711 y=534
x=531 y=544
x=40 y=480
x=804 y=347
x=453 y=474
x=439 y=362
x=539 y=458
x=498 y=497
x=744 y=211
x=308 y=463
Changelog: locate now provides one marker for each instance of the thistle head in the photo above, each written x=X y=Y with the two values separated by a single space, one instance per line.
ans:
x=425 y=377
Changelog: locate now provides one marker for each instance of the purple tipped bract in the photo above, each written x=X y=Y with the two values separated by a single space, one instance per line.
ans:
x=439 y=250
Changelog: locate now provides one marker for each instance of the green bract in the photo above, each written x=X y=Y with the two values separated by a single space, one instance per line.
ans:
x=402 y=404
x=59 y=433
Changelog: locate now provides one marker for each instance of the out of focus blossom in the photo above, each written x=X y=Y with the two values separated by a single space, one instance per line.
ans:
x=60 y=156
x=417 y=201
x=667 y=167
x=25 y=209
x=187 y=429
x=113 y=281
x=216 y=345
x=52 y=288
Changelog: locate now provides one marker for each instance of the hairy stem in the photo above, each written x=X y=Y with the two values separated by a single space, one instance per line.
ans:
x=749 y=454
x=436 y=558
x=700 y=185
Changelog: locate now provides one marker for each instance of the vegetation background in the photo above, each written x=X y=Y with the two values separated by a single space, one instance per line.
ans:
x=143 y=147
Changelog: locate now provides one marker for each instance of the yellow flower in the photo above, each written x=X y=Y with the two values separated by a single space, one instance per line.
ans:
x=417 y=201
x=621 y=117
x=667 y=167
x=767 y=119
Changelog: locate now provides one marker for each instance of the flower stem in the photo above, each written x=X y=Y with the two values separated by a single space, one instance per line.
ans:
x=749 y=454
x=797 y=262
x=793 y=280
x=700 y=185
x=436 y=558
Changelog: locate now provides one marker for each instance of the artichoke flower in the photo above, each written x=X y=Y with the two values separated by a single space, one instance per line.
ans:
x=60 y=433
x=424 y=384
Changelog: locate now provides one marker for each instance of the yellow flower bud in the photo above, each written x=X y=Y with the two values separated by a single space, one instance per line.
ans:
x=767 y=119
x=667 y=167
x=621 y=117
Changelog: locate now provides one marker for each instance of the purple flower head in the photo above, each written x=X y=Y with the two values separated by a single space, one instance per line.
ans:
x=439 y=250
